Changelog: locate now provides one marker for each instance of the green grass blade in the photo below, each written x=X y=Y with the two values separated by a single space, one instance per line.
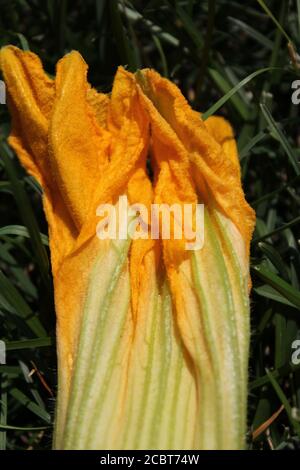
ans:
x=27 y=215
x=270 y=14
x=30 y=405
x=5 y=186
x=123 y=44
x=190 y=27
x=260 y=38
x=281 y=138
x=135 y=16
x=283 y=287
x=19 y=428
x=164 y=63
x=232 y=92
x=29 y=344
x=282 y=397
x=21 y=231
x=255 y=140
x=275 y=258
x=278 y=374
x=269 y=293
x=20 y=306
x=23 y=42
x=277 y=230
x=225 y=87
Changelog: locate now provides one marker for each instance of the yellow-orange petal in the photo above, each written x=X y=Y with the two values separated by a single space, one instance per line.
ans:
x=173 y=181
x=99 y=102
x=78 y=146
x=214 y=162
x=128 y=125
x=30 y=98
x=126 y=173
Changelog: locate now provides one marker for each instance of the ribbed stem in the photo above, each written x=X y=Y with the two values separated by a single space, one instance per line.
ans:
x=165 y=378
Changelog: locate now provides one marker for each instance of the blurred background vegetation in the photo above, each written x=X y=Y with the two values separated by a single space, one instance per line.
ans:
x=237 y=59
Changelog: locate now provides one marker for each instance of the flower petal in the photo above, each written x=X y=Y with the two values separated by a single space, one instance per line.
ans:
x=208 y=286
x=31 y=98
x=217 y=168
x=78 y=146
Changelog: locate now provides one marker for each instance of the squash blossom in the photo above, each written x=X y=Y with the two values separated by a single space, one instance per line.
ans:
x=152 y=338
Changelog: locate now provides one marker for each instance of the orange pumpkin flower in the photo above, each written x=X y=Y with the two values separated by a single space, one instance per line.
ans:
x=152 y=338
